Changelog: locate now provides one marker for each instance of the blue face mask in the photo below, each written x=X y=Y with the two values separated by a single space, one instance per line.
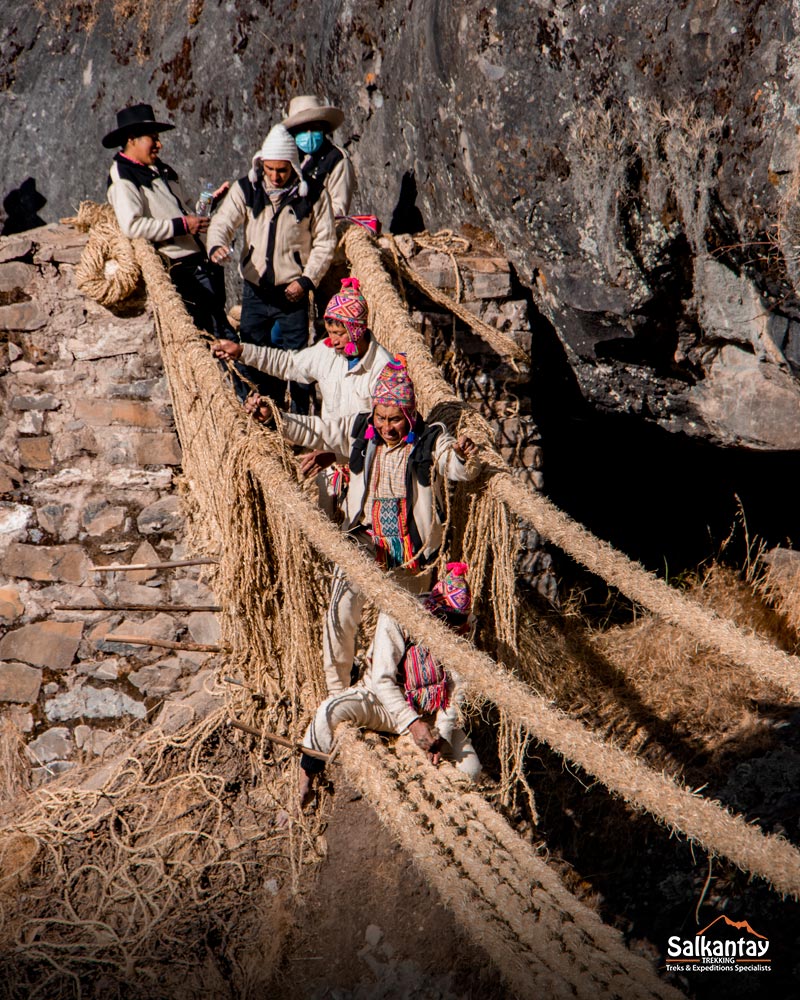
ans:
x=309 y=142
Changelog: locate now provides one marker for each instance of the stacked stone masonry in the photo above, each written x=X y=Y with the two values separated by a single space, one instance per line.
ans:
x=88 y=465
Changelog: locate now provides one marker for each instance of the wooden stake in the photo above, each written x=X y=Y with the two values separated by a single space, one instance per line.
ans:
x=255 y=694
x=135 y=640
x=120 y=568
x=280 y=740
x=175 y=608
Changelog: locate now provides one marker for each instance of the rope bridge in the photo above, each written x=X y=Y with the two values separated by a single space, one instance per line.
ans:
x=240 y=486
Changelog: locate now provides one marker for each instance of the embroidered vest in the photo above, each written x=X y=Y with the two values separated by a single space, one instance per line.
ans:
x=419 y=465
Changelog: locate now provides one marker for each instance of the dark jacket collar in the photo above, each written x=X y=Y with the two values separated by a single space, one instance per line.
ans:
x=141 y=175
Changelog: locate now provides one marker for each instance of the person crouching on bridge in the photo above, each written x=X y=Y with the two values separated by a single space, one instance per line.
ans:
x=404 y=689
x=393 y=501
x=345 y=366
x=288 y=246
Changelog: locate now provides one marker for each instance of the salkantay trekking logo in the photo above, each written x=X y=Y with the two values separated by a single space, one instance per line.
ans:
x=723 y=946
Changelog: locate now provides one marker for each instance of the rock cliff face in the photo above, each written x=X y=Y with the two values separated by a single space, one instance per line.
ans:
x=634 y=159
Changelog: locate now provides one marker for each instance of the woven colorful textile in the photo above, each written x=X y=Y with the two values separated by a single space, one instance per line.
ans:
x=390 y=534
x=394 y=386
x=451 y=592
x=425 y=680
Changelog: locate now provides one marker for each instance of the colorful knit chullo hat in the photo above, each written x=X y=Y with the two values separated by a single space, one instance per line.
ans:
x=349 y=307
x=452 y=592
x=395 y=388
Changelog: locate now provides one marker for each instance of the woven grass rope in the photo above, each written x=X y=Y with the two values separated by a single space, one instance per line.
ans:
x=701 y=820
x=394 y=330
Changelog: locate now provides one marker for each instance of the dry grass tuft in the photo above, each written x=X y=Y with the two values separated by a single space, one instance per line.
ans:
x=780 y=586
x=652 y=687
x=14 y=769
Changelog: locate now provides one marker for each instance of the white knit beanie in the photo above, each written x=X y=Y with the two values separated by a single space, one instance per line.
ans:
x=279 y=145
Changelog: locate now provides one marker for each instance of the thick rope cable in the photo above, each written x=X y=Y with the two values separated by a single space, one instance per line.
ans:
x=545 y=941
x=498 y=341
x=394 y=330
x=107 y=271
x=701 y=820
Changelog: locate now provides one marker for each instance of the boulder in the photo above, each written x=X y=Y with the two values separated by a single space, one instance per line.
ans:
x=11 y=607
x=34 y=452
x=14 y=519
x=53 y=744
x=157 y=679
x=204 y=628
x=162 y=517
x=93 y=741
x=100 y=517
x=24 y=316
x=46 y=562
x=93 y=703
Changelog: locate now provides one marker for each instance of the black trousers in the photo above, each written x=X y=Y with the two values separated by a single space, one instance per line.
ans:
x=269 y=319
x=201 y=285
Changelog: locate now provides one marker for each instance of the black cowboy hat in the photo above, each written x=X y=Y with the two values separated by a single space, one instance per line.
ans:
x=138 y=119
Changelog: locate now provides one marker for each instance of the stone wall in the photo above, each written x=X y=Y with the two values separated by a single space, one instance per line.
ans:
x=89 y=460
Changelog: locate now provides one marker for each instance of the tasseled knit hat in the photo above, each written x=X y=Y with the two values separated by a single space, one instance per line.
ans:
x=452 y=592
x=395 y=388
x=349 y=306
x=279 y=145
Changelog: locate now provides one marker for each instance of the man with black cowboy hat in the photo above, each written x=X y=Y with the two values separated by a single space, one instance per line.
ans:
x=149 y=203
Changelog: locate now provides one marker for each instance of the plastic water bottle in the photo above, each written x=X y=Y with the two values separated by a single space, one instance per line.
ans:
x=205 y=200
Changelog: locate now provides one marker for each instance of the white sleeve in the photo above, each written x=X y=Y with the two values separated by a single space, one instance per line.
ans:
x=274 y=361
x=449 y=464
x=323 y=240
x=133 y=216
x=314 y=432
x=388 y=650
x=227 y=218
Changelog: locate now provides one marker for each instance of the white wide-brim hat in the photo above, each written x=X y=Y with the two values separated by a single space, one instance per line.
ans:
x=309 y=108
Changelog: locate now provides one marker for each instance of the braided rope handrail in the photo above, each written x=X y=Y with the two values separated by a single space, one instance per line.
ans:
x=541 y=935
x=394 y=330
x=704 y=821
x=392 y=327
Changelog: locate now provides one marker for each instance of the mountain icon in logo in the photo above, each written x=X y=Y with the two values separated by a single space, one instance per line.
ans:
x=738 y=925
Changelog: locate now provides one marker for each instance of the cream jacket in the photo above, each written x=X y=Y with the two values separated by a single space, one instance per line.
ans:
x=293 y=242
x=150 y=204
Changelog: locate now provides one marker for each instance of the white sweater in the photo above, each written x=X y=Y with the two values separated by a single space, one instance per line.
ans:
x=344 y=390
x=384 y=678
